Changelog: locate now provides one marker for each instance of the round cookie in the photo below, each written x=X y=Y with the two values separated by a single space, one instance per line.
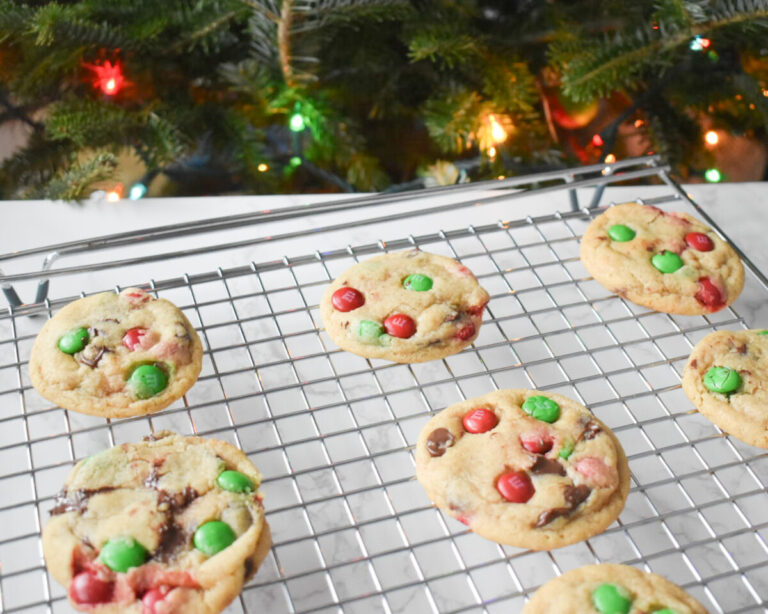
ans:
x=116 y=355
x=524 y=468
x=669 y=262
x=726 y=378
x=406 y=307
x=611 y=589
x=166 y=526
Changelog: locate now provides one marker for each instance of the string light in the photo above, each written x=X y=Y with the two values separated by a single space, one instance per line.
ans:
x=138 y=191
x=297 y=123
x=597 y=140
x=639 y=123
x=711 y=137
x=115 y=193
x=610 y=158
x=765 y=93
x=109 y=77
x=262 y=167
x=492 y=153
x=699 y=43
x=498 y=134
x=712 y=175
x=501 y=177
x=295 y=161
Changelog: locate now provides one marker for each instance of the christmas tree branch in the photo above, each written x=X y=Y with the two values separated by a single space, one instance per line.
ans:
x=284 y=25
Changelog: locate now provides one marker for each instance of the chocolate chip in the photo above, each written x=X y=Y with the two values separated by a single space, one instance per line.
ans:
x=576 y=495
x=113 y=320
x=91 y=355
x=549 y=515
x=694 y=363
x=173 y=539
x=248 y=568
x=77 y=501
x=591 y=430
x=547 y=465
x=439 y=441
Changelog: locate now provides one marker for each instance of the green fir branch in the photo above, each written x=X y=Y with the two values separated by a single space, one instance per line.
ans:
x=73 y=183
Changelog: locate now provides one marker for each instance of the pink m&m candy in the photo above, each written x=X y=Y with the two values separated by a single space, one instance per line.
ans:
x=479 y=420
x=347 y=299
x=699 y=241
x=538 y=443
x=400 y=325
x=151 y=598
x=87 y=588
x=515 y=486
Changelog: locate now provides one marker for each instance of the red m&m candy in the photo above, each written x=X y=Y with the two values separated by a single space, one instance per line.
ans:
x=347 y=299
x=515 y=486
x=151 y=598
x=709 y=294
x=538 y=443
x=699 y=241
x=479 y=420
x=87 y=588
x=400 y=325
x=466 y=332
x=133 y=338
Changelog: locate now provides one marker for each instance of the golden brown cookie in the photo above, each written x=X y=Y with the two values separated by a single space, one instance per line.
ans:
x=669 y=262
x=116 y=355
x=524 y=468
x=725 y=378
x=407 y=307
x=611 y=589
x=170 y=525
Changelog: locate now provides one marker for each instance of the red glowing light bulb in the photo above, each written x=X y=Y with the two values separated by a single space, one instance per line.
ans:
x=109 y=77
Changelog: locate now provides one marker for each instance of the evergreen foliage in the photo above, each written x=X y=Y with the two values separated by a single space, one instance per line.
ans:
x=385 y=87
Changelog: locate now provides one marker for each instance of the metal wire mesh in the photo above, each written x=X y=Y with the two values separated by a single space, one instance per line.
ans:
x=333 y=434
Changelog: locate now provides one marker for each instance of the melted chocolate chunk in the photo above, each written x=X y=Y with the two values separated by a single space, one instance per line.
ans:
x=151 y=481
x=113 y=320
x=741 y=349
x=248 y=567
x=547 y=465
x=91 y=355
x=439 y=441
x=78 y=501
x=549 y=515
x=179 y=500
x=173 y=539
x=180 y=331
x=591 y=430
x=694 y=363
x=576 y=495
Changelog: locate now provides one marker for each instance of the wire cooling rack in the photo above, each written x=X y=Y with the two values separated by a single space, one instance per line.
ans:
x=333 y=433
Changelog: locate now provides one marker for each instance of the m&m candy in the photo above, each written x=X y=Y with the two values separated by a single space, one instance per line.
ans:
x=133 y=338
x=667 y=262
x=147 y=381
x=479 y=420
x=542 y=408
x=87 y=588
x=621 y=233
x=122 y=553
x=151 y=598
x=611 y=599
x=699 y=241
x=722 y=380
x=213 y=537
x=400 y=325
x=73 y=341
x=369 y=331
x=234 y=481
x=515 y=486
x=536 y=443
x=708 y=293
x=347 y=299
x=417 y=282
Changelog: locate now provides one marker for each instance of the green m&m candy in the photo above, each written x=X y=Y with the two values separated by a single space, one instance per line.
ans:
x=213 y=537
x=722 y=380
x=417 y=282
x=667 y=262
x=369 y=331
x=122 y=553
x=234 y=481
x=763 y=332
x=73 y=341
x=566 y=450
x=611 y=599
x=542 y=408
x=621 y=233
x=147 y=381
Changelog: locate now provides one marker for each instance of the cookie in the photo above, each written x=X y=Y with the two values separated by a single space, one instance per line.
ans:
x=669 y=262
x=406 y=307
x=611 y=589
x=169 y=525
x=116 y=355
x=524 y=468
x=726 y=378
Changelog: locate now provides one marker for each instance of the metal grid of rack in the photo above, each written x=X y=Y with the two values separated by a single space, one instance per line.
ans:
x=333 y=433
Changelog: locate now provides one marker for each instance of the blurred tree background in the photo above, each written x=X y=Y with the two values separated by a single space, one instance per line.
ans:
x=190 y=97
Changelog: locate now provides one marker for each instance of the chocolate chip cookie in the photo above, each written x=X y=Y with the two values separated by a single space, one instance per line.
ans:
x=726 y=378
x=669 y=262
x=116 y=355
x=611 y=589
x=406 y=307
x=524 y=468
x=169 y=525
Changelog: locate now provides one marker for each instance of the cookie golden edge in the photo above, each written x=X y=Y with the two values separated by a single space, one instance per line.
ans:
x=580 y=529
x=372 y=351
x=105 y=407
x=713 y=406
x=557 y=596
x=221 y=583
x=665 y=303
